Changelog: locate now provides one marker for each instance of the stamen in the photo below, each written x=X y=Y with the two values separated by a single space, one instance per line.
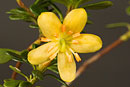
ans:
x=76 y=35
x=71 y=50
x=53 y=55
x=78 y=59
x=56 y=35
x=75 y=42
x=45 y=39
x=70 y=32
x=69 y=57
x=63 y=28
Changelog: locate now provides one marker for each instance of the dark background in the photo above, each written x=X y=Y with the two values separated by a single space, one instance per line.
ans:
x=113 y=70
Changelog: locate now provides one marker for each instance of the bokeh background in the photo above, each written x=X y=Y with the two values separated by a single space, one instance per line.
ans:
x=113 y=70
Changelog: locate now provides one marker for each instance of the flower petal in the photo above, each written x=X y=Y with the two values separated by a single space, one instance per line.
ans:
x=66 y=68
x=41 y=54
x=87 y=43
x=75 y=20
x=49 y=24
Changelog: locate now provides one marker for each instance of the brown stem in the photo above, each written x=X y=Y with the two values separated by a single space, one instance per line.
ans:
x=18 y=64
x=22 y=5
x=96 y=57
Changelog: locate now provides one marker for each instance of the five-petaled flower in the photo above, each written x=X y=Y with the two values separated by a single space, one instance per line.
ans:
x=64 y=41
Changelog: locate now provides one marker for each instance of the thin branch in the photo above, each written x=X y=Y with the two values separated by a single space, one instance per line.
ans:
x=96 y=57
x=18 y=64
x=22 y=5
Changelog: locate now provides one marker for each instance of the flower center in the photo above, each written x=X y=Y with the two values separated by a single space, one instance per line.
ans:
x=62 y=45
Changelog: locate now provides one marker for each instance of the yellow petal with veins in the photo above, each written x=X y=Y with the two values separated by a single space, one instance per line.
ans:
x=87 y=43
x=66 y=68
x=41 y=54
x=49 y=24
x=75 y=20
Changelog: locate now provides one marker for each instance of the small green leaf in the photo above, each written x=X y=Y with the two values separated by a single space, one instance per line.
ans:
x=15 y=69
x=18 y=71
x=58 y=79
x=53 y=68
x=15 y=57
x=128 y=10
x=25 y=84
x=89 y=22
x=11 y=83
x=1 y=86
x=5 y=56
x=38 y=74
x=33 y=26
x=39 y=6
x=115 y=25
x=24 y=54
x=98 y=5
x=20 y=14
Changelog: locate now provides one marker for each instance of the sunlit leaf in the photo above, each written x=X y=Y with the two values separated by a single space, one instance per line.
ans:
x=25 y=84
x=98 y=5
x=128 y=10
x=5 y=56
x=115 y=25
x=11 y=83
x=20 y=14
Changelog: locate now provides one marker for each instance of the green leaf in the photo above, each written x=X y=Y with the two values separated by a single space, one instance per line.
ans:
x=11 y=83
x=18 y=71
x=33 y=26
x=98 y=5
x=89 y=22
x=128 y=10
x=39 y=6
x=15 y=69
x=5 y=56
x=53 y=68
x=38 y=74
x=115 y=25
x=15 y=57
x=25 y=84
x=58 y=79
x=20 y=14
x=1 y=86
x=24 y=55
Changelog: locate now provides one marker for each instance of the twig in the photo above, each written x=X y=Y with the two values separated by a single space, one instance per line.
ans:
x=18 y=64
x=22 y=5
x=96 y=57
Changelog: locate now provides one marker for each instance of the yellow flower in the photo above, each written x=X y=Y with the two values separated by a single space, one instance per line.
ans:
x=65 y=41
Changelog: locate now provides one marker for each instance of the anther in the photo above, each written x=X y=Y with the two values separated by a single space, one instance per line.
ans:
x=76 y=35
x=75 y=42
x=56 y=35
x=70 y=32
x=78 y=59
x=45 y=39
